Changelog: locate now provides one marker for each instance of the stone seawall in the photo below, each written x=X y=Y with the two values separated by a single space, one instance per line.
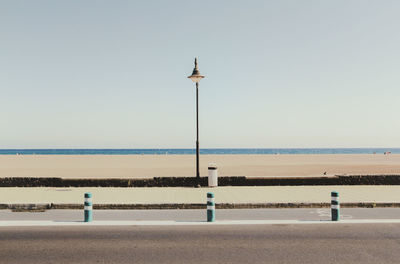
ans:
x=202 y=182
x=44 y=207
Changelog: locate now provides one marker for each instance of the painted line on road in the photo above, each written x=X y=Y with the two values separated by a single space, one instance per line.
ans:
x=178 y=223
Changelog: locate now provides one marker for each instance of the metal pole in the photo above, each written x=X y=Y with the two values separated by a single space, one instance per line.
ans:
x=197 y=134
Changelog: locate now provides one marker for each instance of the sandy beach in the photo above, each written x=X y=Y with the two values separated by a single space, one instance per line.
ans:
x=179 y=195
x=142 y=166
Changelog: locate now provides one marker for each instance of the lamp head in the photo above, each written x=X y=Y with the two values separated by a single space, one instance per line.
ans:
x=196 y=76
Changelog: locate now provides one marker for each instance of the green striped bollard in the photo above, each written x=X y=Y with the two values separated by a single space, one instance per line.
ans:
x=210 y=207
x=88 y=209
x=335 y=206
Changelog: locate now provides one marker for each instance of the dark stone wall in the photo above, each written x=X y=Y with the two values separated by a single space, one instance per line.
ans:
x=193 y=182
x=44 y=207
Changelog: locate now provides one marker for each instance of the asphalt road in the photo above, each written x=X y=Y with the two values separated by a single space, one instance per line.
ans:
x=200 y=215
x=344 y=243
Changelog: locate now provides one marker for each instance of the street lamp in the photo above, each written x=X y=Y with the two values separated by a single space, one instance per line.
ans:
x=196 y=77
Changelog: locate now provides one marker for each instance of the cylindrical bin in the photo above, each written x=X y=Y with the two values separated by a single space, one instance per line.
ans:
x=88 y=207
x=210 y=207
x=335 y=206
x=212 y=175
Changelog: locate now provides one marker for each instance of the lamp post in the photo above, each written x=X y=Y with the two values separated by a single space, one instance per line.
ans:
x=196 y=77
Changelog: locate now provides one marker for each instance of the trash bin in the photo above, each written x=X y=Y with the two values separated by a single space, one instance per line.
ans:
x=212 y=175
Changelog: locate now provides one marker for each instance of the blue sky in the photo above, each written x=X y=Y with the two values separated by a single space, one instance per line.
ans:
x=112 y=74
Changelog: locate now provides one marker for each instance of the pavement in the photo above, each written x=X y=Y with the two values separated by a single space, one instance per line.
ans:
x=198 y=217
x=282 y=243
x=172 y=195
x=185 y=223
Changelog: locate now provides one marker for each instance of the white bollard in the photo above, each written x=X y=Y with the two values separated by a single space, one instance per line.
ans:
x=212 y=175
x=335 y=206
x=210 y=207
x=88 y=207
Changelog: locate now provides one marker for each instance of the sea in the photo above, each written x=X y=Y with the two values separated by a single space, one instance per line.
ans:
x=204 y=151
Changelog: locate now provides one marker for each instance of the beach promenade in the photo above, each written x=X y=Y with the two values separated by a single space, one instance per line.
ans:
x=177 y=195
x=301 y=235
x=146 y=166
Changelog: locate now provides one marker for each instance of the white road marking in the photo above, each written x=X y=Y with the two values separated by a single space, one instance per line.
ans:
x=327 y=213
x=177 y=223
x=345 y=216
x=324 y=212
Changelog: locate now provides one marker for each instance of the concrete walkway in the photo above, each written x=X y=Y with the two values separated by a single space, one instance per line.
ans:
x=268 y=194
x=178 y=223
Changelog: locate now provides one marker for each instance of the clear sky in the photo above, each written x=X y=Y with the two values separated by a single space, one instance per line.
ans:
x=112 y=74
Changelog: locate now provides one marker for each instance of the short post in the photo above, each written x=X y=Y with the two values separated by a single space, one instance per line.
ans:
x=210 y=207
x=335 y=206
x=212 y=175
x=88 y=209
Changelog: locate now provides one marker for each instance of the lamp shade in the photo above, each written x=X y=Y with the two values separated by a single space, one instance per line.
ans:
x=196 y=76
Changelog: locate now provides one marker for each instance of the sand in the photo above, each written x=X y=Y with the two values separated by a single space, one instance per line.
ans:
x=264 y=194
x=141 y=166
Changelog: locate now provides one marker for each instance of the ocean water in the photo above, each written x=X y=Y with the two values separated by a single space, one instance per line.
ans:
x=217 y=151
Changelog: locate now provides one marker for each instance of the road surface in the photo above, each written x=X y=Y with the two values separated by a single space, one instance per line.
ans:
x=276 y=243
x=344 y=243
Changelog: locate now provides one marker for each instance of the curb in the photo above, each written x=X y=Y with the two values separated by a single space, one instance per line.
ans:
x=47 y=206
x=42 y=223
